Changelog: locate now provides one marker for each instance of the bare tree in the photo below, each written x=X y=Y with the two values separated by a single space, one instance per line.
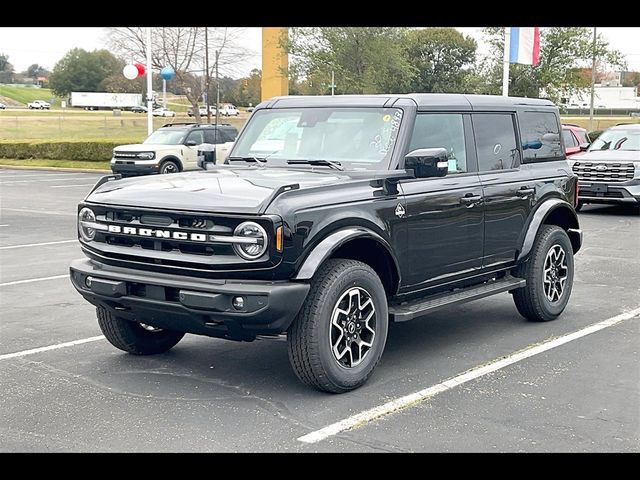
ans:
x=183 y=49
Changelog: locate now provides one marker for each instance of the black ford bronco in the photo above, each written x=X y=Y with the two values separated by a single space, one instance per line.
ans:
x=331 y=217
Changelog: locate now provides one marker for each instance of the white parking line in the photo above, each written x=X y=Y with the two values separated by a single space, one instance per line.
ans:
x=9 y=247
x=40 y=175
x=4 y=225
x=12 y=182
x=41 y=279
x=23 y=353
x=42 y=212
x=75 y=185
x=393 y=406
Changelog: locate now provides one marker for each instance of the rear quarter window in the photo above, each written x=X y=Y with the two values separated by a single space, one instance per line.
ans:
x=540 y=134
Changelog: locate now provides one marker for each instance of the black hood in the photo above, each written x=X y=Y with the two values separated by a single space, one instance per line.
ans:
x=222 y=189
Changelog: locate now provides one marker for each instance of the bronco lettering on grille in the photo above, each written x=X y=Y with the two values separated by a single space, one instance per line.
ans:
x=150 y=232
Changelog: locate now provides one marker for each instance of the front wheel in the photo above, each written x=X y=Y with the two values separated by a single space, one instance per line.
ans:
x=136 y=338
x=339 y=335
x=169 y=166
x=549 y=276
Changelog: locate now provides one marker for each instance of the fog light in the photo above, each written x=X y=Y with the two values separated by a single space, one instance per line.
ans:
x=238 y=303
x=87 y=281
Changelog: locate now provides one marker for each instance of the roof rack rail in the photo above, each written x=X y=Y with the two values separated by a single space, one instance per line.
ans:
x=195 y=124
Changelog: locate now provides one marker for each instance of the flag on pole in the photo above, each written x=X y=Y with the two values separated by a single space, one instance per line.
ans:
x=525 y=45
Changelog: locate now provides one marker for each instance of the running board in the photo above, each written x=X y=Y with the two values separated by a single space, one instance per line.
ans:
x=416 y=308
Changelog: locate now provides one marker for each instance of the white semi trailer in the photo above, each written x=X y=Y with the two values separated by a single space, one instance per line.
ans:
x=103 y=100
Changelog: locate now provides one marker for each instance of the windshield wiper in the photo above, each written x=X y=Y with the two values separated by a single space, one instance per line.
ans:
x=324 y=163
x=258 y=160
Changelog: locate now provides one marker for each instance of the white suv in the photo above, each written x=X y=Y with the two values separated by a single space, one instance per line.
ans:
x=172 y=148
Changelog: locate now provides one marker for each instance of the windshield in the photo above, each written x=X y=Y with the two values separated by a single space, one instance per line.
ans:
x=166 y=137
x=617 y=140
x=356 y=138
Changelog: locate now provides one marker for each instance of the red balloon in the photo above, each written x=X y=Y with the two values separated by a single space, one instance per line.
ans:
x=140 y=68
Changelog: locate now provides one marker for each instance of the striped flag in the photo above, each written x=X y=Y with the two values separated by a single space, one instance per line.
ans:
x=525 y=45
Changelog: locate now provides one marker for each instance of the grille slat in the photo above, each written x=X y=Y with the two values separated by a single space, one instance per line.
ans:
x=604 y=172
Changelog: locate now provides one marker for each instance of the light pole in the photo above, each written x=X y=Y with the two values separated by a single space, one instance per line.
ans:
x=149 y=85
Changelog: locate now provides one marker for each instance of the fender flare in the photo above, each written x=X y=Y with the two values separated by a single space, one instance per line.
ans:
x=173 y=158
x=539 y=218
x=323 y=250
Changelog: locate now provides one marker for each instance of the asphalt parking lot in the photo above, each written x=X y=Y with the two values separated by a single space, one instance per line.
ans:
x=216 y=395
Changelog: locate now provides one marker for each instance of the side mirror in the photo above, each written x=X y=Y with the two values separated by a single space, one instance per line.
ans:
x=191 y=143
x=427 y=162
x=206 y=157
x=584 y=147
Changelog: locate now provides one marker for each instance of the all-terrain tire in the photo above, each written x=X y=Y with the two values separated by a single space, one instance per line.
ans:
x=169 y=166
x=532 y=301
x=132 y=337
x=309 y=338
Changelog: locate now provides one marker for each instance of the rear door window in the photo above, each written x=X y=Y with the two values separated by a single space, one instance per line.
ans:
x=540 y=133
x=495 y=141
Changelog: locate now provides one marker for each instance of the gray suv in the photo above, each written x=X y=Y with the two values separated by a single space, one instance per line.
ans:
x=609 y=171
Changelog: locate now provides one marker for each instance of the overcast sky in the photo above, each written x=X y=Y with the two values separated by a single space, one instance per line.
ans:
x=45 y=46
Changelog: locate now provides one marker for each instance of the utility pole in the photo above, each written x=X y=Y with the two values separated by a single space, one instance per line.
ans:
x=206 y=82
x=333 y=83
x=217 y=92
x=593 y=80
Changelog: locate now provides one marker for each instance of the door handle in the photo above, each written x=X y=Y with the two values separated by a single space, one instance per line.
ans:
x=525 y=192
x=470 y=199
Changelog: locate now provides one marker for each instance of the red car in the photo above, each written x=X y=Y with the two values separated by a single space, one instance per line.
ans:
x=575 y=139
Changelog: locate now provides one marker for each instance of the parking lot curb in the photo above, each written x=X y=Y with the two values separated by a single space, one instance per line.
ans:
x=58 y=169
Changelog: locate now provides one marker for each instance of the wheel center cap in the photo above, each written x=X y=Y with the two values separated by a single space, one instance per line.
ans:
x=351 y=327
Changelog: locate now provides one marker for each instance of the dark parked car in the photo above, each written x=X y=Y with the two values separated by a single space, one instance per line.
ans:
x=371 y=209
x=609 y=171
x=139 y=109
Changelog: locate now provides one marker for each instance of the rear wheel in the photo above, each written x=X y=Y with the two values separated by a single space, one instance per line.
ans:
x=549 y=276
x=339 y=335
x=169 y=166
x=136 y=338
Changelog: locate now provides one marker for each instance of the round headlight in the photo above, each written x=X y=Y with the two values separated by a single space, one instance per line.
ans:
x=146 y=155
x=86 y=215
x=253 y=249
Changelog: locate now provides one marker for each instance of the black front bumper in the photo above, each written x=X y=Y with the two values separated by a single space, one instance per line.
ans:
x=189 y=304
x=131 y=169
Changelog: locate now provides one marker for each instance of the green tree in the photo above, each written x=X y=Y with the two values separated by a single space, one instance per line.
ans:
x=82 y=71
x=441 y=58
x=563 y=51
x=36 y=70
x=6 y=69
x=247 y=89
x=631 y=79
x=363 y=59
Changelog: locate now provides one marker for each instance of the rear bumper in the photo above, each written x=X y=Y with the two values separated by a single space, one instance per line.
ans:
x=612 y=193
x=190 y=304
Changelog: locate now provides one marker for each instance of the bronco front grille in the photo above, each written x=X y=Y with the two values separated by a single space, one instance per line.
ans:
x=173 y=239
x=604 y=172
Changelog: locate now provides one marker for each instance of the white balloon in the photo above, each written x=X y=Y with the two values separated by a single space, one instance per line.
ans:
x=130 y=71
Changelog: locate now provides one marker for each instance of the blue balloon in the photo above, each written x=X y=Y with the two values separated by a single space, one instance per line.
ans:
x=167 y=73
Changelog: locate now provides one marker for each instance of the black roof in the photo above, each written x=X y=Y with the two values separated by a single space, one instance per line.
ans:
x=424 y=101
